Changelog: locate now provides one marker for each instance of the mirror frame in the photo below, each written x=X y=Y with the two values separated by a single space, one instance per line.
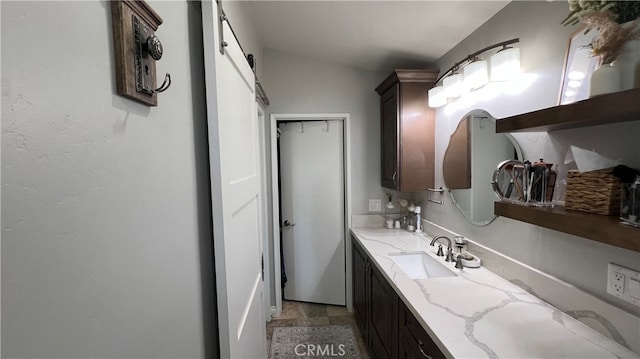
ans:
x=466 y=119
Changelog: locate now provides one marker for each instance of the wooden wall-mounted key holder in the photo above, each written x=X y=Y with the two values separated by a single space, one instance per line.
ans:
x=136 y=50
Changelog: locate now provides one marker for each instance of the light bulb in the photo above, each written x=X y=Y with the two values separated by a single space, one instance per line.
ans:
x=437 y=97
x=505 y=64
x=476 y=75
x=453 y=86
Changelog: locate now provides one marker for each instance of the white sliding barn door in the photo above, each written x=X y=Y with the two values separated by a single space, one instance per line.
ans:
x=235 y=191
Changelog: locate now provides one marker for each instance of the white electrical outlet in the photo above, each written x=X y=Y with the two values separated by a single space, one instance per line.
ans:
x=375 y=205
x=618 y=282
x=624 y=283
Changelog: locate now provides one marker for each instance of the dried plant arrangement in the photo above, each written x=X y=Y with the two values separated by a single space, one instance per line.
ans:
x=612 y=20
x=612 y=36
x=621 y=11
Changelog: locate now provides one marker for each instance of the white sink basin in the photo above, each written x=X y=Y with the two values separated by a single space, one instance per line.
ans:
x=419 y=265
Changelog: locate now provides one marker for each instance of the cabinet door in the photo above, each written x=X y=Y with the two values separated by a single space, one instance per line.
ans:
x=390 y=144
x=407 y=351
x=417 y=138
x=414 y=340
x=359 y=281
x=408 y=129
x=383 y=316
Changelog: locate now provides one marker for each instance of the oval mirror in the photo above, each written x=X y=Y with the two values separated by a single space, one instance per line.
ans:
x=474 y=151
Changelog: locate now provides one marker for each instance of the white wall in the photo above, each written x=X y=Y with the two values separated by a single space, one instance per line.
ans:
x=543 y=42
x=105 y=224
x=297 y=84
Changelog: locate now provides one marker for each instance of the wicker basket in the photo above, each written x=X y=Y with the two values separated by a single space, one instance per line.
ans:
x=595 y=191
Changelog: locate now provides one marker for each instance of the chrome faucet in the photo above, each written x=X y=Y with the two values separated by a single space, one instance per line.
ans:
x=449 y=257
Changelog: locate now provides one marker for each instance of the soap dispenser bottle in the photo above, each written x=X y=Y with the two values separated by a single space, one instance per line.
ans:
x=418 y=211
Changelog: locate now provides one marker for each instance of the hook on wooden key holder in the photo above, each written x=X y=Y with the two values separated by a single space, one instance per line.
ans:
x=165 y=84
x=137 y=49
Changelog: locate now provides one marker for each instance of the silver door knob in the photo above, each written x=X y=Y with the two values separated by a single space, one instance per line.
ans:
x=154 y=47
x=288 y=224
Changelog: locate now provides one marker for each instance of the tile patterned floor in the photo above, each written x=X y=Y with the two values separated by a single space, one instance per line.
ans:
x=300 y=314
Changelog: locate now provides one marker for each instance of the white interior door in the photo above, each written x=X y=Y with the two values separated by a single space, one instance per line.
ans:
x=313 y=203
x=236 y=193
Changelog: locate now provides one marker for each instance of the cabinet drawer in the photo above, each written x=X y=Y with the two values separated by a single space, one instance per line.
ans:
x=415 y=336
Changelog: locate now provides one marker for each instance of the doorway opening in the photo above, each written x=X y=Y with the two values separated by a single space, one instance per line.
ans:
x=283 y=228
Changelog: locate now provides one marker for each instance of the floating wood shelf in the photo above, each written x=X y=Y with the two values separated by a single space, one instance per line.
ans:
x=600 y=110
x=605 y=229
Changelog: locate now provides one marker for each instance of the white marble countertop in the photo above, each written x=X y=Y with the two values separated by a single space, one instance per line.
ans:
x=478 y=314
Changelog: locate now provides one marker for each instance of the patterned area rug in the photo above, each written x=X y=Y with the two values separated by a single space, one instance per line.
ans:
x=328 y=341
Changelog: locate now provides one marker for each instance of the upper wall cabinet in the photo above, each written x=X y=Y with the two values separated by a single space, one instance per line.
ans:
x=408 y=129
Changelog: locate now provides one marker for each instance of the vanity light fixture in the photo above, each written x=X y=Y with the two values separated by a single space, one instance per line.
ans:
x=453 y=85
x=505 y=64
x=437 y=97
x=476 y=75
x=472 y=73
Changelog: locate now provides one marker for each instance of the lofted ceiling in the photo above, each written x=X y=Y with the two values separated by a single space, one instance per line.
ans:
x=370 y=35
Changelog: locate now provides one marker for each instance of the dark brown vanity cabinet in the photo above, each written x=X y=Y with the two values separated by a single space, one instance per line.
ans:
x=383 y=319
x=375 y=304
x=360 y=273
x=389 y=328
x=408 y=129
x=414 y=341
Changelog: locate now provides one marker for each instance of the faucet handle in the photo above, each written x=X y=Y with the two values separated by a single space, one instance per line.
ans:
x=440 y=253
x=449 y=255
x=459 y=262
